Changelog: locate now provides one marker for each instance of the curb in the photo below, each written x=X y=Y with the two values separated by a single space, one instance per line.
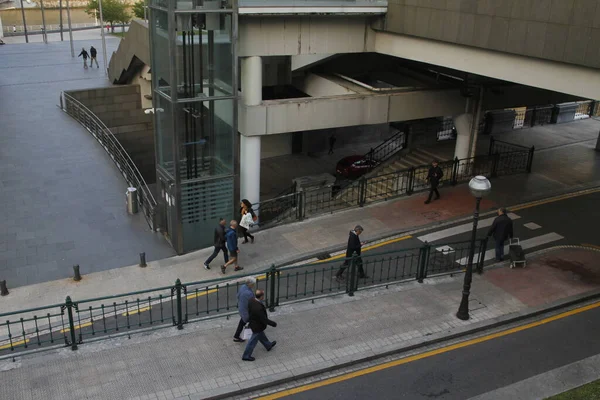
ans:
x=494 y=324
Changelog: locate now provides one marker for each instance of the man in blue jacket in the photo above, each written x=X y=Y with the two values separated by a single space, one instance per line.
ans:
x=232 y=245
x=244 y=295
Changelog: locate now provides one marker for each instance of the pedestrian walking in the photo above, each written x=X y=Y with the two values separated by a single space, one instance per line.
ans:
x=434 y=176
x=354 y=246
x=85 y=57
x=244 y=295
x=246 y=208
x=93 y=54
x=232 y=245
x=219 y=242
x=332 y=140
x=501 y=229
x=14 y=29
x=258 y=323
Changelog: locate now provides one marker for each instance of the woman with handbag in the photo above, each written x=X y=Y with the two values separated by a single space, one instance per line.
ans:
x=248 y=217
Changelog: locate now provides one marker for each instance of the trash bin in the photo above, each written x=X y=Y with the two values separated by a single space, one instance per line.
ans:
x=564 y=112
x=498 y=121
x=598 y=143
x=132 y=200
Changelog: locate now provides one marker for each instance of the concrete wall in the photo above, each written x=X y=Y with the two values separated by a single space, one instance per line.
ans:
x=318 y=86
x=294 y=35
x=276 y=145
x=306 y=114
x=136 y=43
x=120 y=108
x=559 y=30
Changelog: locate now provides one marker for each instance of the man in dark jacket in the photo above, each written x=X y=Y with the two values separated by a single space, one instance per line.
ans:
x=85 y=57
x=93 y=54
x=219 y=243
x=258 y=323
x=354 y=246
x=434 y=176
x=501 y=229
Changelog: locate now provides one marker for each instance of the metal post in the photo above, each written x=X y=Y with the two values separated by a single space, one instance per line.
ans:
x=272 y=295
x=530 y=158
x=362 y=192
x=411 y=181
x=70 y=29
x=463 y=309
x=301 y=205
x=455 y=171
x=24 y=22
x=76 y=274
x=178 y=287
x=44 y=33
x=495 y=161
x=69 y=305
x=491 y=149
x=423 y=261
x=143 y=260
x=60 y=19
x=3 y=288
x=482 y=250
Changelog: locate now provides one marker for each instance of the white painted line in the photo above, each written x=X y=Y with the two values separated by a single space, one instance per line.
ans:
x=445 y=249
x=532 y=225
x=457 y=230
x=525 y=244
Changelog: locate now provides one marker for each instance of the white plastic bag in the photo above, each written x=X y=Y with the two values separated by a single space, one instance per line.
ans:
x=247 y=333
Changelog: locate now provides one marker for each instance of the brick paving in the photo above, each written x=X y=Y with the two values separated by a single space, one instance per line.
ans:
x=201 y=361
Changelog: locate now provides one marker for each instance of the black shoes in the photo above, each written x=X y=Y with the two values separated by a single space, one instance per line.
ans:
x=427 y=201
x=273 y=343
x=238 y=340
x=249 y=359
x=206 y=266
x=223 y=269
x=238 y=268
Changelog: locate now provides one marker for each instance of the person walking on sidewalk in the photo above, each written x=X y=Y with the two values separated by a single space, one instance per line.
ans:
x=501 y=229
x=258 y=323
x=332 y=140
x=93 y=54
x=85 y=57
x=232 y=245
x=433 y=177
x=354 y=246
x=244 y=295
x=219 y=243
x=246 y=208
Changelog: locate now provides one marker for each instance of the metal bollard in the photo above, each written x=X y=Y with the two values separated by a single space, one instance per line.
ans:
x=3 y=288
x=143 y=260
x=77 y=275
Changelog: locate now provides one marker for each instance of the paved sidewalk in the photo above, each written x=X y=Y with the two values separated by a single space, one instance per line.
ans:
x=201 y=361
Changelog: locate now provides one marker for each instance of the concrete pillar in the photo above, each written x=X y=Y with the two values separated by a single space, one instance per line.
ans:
x=463 y=125
x=252 y=80
x=250 y=145
x=250 y=168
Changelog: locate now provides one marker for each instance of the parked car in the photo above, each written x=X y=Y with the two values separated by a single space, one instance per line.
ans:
x=353 y=167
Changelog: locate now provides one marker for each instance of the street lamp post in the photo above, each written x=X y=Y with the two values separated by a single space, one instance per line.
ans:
x=480 y=187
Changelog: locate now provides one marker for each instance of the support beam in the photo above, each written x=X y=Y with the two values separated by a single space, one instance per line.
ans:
x=250 y=146
x=463 y=124
x=252 y=80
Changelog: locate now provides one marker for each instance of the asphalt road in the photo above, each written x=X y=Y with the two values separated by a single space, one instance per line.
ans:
x=476 y=369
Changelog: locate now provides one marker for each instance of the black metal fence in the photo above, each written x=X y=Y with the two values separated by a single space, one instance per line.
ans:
x=502 y=159
x=113 y=147
x=75 y=322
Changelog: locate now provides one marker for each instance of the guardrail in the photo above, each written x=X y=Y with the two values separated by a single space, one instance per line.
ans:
x=503 y=159
x=76 y=322
x=113 y=147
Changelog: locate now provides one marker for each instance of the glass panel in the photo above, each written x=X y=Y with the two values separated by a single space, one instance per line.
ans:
x=206 y=135
x=160 y=52
x=164 y=133
x=204 y=56
x=203 y=4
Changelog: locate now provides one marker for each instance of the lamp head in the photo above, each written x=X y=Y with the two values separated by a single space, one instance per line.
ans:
x=480 y=186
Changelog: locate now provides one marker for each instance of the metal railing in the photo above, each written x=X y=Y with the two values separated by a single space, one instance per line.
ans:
x=503 y=159
x=585 y=109
x=388 y=148
x=113 y=147
x=76 y=322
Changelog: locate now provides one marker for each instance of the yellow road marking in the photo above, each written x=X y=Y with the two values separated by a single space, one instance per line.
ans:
x=366 y=248
x=427 y=354
x=263 y=276
x=76 y=327
x=593 y=246
x=201 y=293
x=552 y=200
x=136 y=311
x=14 y=344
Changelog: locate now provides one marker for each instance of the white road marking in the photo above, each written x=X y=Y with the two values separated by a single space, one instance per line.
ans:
x=532 y=225
x=525 y=244
x=456 y=230
x=445 y=249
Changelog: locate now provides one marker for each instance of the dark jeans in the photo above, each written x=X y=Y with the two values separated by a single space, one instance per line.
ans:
x=239 y=329
x=499 y=249
x=432 y=189
x=346 y=264
x=256 y=337
x=246 y=234
x=216 y=253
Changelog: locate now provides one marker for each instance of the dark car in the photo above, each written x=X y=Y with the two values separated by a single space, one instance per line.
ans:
x=353 y=167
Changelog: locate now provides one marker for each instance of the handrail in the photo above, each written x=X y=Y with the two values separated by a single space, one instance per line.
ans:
x=385 y=144
x=116 y=151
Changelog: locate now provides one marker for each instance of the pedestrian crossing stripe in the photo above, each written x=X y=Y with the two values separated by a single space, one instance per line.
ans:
x=457 y=230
